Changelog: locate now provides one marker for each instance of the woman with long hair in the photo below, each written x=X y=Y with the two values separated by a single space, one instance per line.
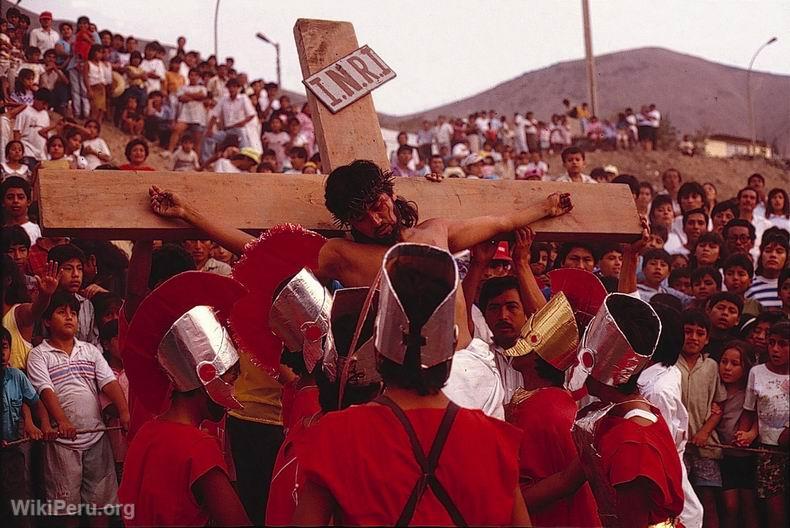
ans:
x=777 y=208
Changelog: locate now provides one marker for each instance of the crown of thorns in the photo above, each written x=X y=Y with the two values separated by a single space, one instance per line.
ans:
x=365 y=196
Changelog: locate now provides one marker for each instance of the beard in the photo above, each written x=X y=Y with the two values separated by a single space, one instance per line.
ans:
x=389 y=240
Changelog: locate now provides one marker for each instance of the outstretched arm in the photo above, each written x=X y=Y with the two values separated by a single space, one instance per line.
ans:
x=170 y=205
x=463 y=234
x=478 y=263
x=531 y=296
x=627 y=281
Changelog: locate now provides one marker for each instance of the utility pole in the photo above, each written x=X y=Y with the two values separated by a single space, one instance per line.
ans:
x=592 y=78
x=216 y=32
x=752 y=128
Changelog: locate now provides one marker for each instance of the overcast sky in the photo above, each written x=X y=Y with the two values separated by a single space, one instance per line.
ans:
x=443 y=50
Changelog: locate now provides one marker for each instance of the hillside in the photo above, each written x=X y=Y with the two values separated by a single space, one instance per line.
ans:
x=695 y=93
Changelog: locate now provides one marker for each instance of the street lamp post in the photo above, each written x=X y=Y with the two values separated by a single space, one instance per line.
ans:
x=216 y=33
x=277 y=52
x=752 y=128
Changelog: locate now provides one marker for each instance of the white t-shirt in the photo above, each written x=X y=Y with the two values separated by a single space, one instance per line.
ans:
x=225 y=165
x=22 y=172
x=768 y=393
x=474 y=380
x=192 y=111
x=99 y=145
x=76 y=380
x=43 y=40
x=153 y=66
x=184 y=162
x=231 y=111
x=28 y=123
x=32 y=230
x=661 y=386
x=443 y=133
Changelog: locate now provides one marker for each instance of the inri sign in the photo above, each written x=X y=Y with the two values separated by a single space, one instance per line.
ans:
x=350 y=78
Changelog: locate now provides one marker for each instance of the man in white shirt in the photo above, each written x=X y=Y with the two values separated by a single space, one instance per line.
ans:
x=154 y=69
x=747 y=203
x=521 y=136
x=236 y=116
x=32 y=126
x=443 y=133
x=44 y=38
x=531 y=132
x=573 y=161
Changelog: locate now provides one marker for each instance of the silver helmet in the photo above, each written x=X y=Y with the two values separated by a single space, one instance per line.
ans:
x=436 y=338
x=196 y=351
x=610 y=354
x=300 y=317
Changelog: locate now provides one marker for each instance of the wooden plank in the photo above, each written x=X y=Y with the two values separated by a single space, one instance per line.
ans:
x=355 y=132
x=115 y=204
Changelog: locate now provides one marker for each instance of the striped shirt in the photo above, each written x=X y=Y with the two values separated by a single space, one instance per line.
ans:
x=765 y=291
x=76 y=380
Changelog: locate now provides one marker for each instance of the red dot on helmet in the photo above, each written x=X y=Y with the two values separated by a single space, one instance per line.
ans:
x=313 y=332
x=587 y=359
x=207 y=372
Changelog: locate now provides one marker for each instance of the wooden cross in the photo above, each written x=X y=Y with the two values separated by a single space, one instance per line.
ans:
x=115 y=204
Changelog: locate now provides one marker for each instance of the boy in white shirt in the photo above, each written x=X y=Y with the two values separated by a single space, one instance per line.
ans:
x=68 y=375
x=32 y=126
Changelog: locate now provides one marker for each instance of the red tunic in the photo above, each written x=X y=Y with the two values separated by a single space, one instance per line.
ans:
x=642 y=464
x=137 y=412
x=164 y=460
x=362 y=455
x=298 y=403
x=286 y=479
x=546 y=417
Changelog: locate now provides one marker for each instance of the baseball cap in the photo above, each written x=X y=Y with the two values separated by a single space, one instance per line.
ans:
x=613 y=169
x=502 y=252
x=460 y=151
x=471 y=159
x=250 y=153
x=45 y=15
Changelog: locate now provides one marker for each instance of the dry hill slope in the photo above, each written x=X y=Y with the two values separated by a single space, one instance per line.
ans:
x=697 y=94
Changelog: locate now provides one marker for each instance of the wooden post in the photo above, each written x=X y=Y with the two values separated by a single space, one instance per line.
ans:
x=354 y=132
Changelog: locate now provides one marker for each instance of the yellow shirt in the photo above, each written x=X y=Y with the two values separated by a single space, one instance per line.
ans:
x=20 y=347
x=260 y=394
x=173 y=81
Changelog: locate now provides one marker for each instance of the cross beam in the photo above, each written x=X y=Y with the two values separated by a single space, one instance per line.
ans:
x=115 y=204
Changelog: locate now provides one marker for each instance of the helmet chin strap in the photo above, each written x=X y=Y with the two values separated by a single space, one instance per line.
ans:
x=363 y=315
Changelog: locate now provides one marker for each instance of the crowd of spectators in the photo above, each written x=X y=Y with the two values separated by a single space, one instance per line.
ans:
x=203 y=114
x=720 y=262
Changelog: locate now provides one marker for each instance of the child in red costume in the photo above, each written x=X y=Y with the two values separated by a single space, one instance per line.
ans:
x=625 y=445
x=362 y=387
x=553 y=483
x=184 y=362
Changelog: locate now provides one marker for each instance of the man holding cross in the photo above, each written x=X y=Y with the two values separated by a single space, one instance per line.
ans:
x=361 y=196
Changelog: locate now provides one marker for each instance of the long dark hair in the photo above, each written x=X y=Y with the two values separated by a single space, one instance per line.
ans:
x=24 y=73
x=351 y=189
x=785 y=211
x=15 y=291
